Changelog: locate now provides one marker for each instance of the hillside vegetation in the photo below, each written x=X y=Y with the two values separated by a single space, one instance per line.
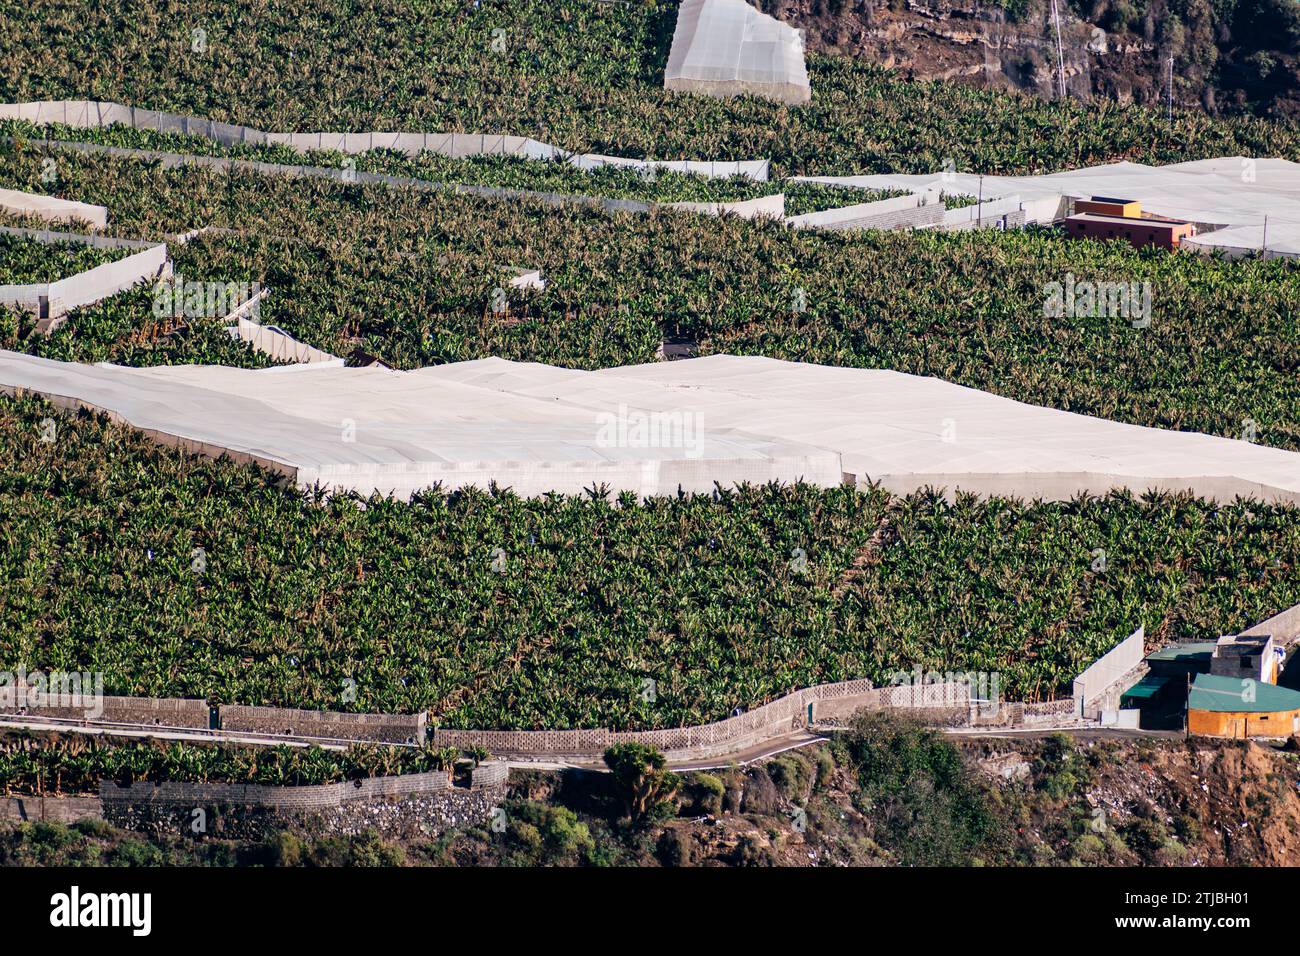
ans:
x=580 y=74
x=187 y=577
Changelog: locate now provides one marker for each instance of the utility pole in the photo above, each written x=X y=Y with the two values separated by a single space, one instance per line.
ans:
x=979 y=206
x=1060 y=54
x=1264 y=242
x=1171 y=91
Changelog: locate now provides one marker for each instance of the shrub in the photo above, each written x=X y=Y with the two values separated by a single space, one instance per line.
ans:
x=791 y=773
x=674 y=848
x=641 y=778
x=526 y=835
x=760 y=795
x=93 y=827
x=926 y=807
x=284 y=849
x=707 y=793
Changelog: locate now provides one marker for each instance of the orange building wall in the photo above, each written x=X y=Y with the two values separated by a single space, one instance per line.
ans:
x=1133 y=209
x=1211 y=723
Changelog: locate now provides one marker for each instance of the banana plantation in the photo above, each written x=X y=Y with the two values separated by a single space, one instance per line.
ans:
x=178 y=576
x=583 y=75
x=57 y=765
x=412 y=278
x=25 y=261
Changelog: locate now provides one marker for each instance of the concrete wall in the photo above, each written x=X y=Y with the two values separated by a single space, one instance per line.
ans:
x=984 y=215
x=51 y=301
x=771 y=206
x=1108 y=671
x=1284 y=628
x=50 y=809
x=881 y=214
x=278 y=344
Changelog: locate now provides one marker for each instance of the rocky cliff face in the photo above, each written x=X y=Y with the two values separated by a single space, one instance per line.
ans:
x=1235 y=56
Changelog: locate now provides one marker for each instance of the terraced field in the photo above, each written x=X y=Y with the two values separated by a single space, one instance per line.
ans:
x=511 y=172
x=185 y=577
x=411 y=277
x=196 y=578
x=25 y=261
x=583 y=75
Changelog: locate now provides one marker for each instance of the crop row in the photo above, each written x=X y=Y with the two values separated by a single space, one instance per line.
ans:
x=512 y=172
x=25 y=261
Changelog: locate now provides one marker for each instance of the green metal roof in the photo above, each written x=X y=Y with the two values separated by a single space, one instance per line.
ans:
x=1226 y=695
x=1185 y=651
x=1147 y=687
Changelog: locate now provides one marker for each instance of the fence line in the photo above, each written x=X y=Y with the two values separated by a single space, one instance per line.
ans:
x=793 y=712
x=50 y=302
x=747 y=208
x=91 y=114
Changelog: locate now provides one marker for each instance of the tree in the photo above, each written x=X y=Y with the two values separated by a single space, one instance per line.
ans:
x=641 y=778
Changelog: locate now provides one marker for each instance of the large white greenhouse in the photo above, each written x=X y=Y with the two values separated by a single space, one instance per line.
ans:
x=727 y=48
x=648 y=429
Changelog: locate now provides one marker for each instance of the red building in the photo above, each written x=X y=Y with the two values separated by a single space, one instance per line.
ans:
x=1164 y=233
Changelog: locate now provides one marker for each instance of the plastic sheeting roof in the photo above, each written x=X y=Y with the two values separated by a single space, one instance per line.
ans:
x=379 y=430
x=537 y=428
x=908 y=431
x=726 y=48
x=1234 y=192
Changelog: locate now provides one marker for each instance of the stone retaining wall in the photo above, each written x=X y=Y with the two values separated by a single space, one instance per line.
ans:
x=323 y=724
x=409 y=805
x=141 y=711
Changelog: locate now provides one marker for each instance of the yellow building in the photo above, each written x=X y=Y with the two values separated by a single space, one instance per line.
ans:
x=1104 y=206
x=1241 y=707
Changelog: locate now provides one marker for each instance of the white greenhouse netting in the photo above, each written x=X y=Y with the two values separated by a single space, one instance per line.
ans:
x=93 y=114
x=377 y=430
x=727 y=48
x=1228 y=198
x=909 y=431
x=52 y=209
x=650 y=428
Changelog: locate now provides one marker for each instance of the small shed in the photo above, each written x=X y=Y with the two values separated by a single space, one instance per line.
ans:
x=1245 y=655
x=1181 y=659
x=1241 y=707
x=1108 y=206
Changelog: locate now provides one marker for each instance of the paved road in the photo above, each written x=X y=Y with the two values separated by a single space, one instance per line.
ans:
x=763 y=751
